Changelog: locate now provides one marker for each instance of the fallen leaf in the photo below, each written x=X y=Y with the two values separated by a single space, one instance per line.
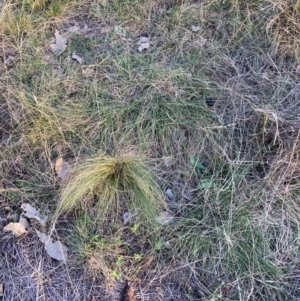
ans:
x=127 y=216
x=60 y=44
x=88 y=71
x=23 y=221
x=62 y=168
x=168 y=245
x=120 y=31
x=144 y=43
x=32 y=212
x=170 y=194
x=77 y=58
x=55 y=250
x=195 y=28
x=164 y=218
x=143 y=40
x=167 y=162
x=265 y=75
x=16 y=228
x=143 y=46
x=9 y=60
x=1 y=289
x=130 y=293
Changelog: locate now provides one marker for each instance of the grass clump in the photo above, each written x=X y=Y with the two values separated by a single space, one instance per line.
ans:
x=112 y=183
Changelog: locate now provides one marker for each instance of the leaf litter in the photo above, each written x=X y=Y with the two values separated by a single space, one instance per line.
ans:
x=128 y=215
x=32 y=212
x=23 y=221
x=77 y=58
x=55 y=250
x=62 y=168
x=143 y=43
x=60 y=44
x=17 y=229
x=195 y=28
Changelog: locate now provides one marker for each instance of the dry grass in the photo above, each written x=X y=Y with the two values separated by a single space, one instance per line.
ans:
x=215 y=112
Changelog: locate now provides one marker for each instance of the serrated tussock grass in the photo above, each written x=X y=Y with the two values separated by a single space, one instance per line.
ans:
x=113 y=182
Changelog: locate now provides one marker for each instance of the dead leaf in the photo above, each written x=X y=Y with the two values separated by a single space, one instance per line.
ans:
x=88 y=72
x=195 y=28
x=143 y=46
x=55 y=250
x=77 y=58
x=60 y=44
x=130 y=293
x=170 y=194
x=127 y=216
x=1 y=290
x=168 y=245
x=32 y=212
x=9 y=60
x=62 y=168
x=164 y=218
x=23 y=221
x=16 y=228
x=144 y=43
x=143 y=40
x=120 y=31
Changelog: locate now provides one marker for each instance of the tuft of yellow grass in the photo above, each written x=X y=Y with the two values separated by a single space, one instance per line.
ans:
x=113 y=179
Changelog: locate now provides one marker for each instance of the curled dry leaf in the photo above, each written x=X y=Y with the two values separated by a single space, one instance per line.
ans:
x=195 y=28
x=130 y=293
x=60 y=44
x=55 y=250
x=32 y=212
x=164 y=218
x=127 y=216
x=62 y=168
x=16 y=228
x=170 y=194
x=77 y=58
x=9 y=60
x=24 y=222
x=144 y=43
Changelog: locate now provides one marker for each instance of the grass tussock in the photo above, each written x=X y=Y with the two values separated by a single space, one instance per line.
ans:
x=114 y=182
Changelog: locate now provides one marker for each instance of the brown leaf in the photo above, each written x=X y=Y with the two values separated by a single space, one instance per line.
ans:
x=62 y=168
x=16 y=228
x=32 y=212
x=60 y=44
x=1 y=289
x=130 y=293
x=56 y=249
